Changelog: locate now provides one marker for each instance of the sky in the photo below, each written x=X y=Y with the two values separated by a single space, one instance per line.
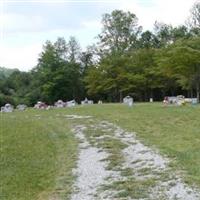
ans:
x=25 y=25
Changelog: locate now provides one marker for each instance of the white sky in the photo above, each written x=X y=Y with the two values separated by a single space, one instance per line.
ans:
x=26 y=25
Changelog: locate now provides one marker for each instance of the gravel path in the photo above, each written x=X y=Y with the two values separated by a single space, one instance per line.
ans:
x=91 y=169
x=146 y=163
x=138 y=157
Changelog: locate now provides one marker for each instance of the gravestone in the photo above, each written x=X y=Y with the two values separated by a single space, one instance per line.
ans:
x=40 y=105
x=86 y=101
x=100 y=102
x=21 y=107
x=7 y=108
x=60 y=104
x=128 y=101
x=71 y=103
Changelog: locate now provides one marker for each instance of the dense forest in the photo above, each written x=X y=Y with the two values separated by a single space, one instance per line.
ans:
x=125 y=61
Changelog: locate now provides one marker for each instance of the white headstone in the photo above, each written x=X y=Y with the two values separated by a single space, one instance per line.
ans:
x=71 y=103
x=21 y=107
x=59 y=104
x=7 y=108
x=86 y=101
x=128 y=100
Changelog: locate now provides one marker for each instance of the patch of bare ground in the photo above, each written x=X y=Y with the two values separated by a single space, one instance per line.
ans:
x=114 y=164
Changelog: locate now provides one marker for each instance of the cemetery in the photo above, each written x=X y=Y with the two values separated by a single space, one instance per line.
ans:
x=34 y=128
x=100 y=100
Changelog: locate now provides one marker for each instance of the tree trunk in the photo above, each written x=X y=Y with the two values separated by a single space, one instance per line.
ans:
x=191 y=93
x=120 y=96
x=151 y=93
x=198 y=91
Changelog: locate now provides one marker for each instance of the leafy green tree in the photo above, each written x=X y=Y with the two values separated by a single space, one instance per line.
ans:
x=163 y=33
x=120 y=31
x=148 y=40
x=58 y=72
x=182 y=60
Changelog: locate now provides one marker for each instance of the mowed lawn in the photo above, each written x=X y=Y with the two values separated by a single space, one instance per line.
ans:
x=38 y=151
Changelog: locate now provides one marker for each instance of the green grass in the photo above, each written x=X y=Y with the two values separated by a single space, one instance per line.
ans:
x=37 y=155
x=39 y=152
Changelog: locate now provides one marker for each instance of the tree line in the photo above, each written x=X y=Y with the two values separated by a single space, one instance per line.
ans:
x=125 y=61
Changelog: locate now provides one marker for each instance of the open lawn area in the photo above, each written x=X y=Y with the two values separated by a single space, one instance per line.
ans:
x=39 y=149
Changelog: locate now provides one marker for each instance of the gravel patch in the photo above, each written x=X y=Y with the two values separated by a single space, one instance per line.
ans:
x=140 y=157
x=77 y=117
x=145 y=162
x=91 y=171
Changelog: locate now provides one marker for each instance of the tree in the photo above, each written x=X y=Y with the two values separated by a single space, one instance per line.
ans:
x=108 y=77
x=182 y=59
x=73 y=50
x=195 y=15
x=163 y=33
x=58 y=73
x=148 y=40
x=193 y=22
x=120 y=31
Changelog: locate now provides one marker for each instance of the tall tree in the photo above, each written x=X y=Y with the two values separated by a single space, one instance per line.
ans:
x=148 y=40
x=73 y=50
x=163 y=33
x=120 y=31
x=182 y=59
x=58 y=72
x=195 y=15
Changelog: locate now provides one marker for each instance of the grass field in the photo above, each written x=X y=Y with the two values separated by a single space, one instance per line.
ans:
x=38 y=151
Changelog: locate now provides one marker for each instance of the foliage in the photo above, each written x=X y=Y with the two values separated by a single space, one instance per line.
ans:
x=124 y=61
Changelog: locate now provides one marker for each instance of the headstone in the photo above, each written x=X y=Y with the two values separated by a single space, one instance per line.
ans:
x=180 y=100
x=7 y=108
x=100 y=102
x=172 y=100
x=151 y=100
x=60 y=104
x=128 y=101
x=21 y=107
x=86 y=101
x=194 y=101
x=40 y=105
x=71 y=103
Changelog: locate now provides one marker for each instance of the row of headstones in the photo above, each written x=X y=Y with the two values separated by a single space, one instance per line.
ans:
x=62 y=104
x=41 y=105
x=58 y=104
x=9 y=108
x=179 y=100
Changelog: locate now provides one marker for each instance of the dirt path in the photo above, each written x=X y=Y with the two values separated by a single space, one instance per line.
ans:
x=114 y=164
